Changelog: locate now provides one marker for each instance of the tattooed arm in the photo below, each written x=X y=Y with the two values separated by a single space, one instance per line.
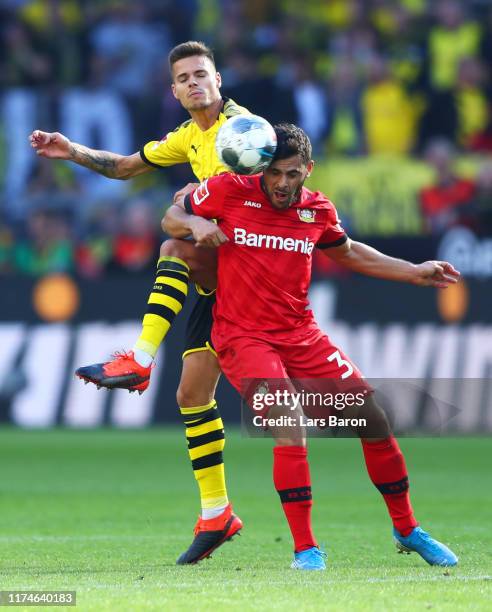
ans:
x=56 y=146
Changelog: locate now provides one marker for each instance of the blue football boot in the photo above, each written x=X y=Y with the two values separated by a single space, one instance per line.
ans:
x=432 y=551
x=310 y=559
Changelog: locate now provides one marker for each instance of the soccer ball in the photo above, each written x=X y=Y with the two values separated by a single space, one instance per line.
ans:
x=246 y=144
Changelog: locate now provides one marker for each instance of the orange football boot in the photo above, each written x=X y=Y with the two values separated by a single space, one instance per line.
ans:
x=122 y=372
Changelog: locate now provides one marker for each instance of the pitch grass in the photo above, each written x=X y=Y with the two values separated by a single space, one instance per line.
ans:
x=106 y=513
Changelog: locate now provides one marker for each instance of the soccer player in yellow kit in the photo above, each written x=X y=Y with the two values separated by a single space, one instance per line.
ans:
x=196 y=84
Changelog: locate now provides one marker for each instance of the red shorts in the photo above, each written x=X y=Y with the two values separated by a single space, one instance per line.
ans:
x=312 y=360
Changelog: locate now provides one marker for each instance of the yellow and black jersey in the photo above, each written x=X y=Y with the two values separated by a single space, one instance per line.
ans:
x=188 y=143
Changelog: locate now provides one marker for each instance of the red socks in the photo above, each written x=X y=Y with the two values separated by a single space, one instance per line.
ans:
x=293 y=484
x=387 y=470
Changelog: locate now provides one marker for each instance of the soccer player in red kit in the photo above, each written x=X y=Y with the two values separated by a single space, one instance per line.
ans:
x=267 y=228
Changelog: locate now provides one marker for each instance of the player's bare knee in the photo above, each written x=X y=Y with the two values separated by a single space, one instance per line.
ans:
x=173 y=247
x=189 y=396
x=202 y=263
x=183 y=249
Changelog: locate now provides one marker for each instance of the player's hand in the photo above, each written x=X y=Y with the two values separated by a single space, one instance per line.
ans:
x=182 y=193
x=207 y=233
x=50 y=144
x=438 y=274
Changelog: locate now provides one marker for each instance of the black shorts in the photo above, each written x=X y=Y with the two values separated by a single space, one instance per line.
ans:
x=199 y=327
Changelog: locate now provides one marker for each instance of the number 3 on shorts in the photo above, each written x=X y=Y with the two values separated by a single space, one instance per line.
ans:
x=341 y=363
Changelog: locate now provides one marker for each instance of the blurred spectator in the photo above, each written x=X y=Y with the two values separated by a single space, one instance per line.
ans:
x=337 y=14
x=388 y=115
x=486 y=42
x=51 y=178
x=452 y=38
x=460 y=114
x=47 y=247
x=180 y=17
x=473 y=109
x=49 y=181
x=344 y=116
x=23 y=70
x=96 y=116
x=23 y=64
x=439 y=118
x=94 y=251
x=446 y=202
x=401 y=38
x=363 y=43
x=360 y=76
x=310 y=102
x=18 y=114
x=135 y=247
x=42 y=15
x=243 y=83
x=229 y=29
x=6 y=247
x=57 y=27
x=482 y=206
x=129 y=46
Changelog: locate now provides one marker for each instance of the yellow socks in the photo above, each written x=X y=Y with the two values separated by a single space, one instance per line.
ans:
x=205 y=435
x=165 y=302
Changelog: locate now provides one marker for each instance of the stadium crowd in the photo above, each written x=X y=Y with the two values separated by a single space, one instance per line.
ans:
x=409 y=78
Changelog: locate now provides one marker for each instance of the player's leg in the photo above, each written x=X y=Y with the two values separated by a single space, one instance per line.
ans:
x=387 y=470
x=315 y=361
x=385 y=463
x=204 y=429
x=384 y=460
x=179 y=262
x=292 y=480
x=248 y=358
x=205 y=435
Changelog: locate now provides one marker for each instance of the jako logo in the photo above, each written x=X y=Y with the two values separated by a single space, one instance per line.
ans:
x=253 y=204
x=272 y=242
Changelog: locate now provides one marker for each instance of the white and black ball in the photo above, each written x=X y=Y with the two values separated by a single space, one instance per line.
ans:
x=246 y=144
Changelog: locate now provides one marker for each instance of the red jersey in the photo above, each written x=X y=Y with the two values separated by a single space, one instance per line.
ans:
x=264 y=270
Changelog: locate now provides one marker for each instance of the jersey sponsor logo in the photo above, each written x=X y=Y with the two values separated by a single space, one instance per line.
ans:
x=252 y=204
x=269 y=241
x=201 y=193
x=195 y=148
x=306 y=215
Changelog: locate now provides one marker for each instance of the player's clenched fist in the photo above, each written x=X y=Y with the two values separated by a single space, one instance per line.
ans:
x=206 y=233
x=50 y=144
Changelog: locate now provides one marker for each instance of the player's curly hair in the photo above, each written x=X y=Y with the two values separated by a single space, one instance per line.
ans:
x=292 y=140
x=189 y=49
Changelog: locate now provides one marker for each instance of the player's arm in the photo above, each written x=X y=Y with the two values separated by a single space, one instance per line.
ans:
x=181 y=221
x=362 y=258
x=112 y=165
x=179 y=224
